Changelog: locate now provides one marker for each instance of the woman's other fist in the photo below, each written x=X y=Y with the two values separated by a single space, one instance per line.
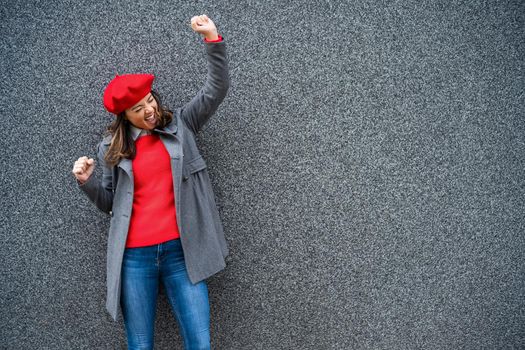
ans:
x=205 y=26
x=83 y=168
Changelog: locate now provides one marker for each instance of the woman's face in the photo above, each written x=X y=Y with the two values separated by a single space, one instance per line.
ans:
x=144 y=114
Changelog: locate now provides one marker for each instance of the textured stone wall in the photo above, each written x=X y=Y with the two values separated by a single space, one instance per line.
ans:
x=368 y=164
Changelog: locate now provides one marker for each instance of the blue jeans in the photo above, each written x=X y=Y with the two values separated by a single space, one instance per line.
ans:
x=142 y=268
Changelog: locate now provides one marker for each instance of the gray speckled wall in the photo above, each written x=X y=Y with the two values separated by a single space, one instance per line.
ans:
x=368 y=164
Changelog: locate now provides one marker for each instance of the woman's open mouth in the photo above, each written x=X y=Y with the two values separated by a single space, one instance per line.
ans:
x=151 y=120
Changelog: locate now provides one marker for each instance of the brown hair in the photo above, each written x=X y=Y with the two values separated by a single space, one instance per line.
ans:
x=122 y=144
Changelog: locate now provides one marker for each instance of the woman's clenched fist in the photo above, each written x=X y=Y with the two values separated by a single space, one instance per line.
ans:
x=83 y=168
x=205 y=26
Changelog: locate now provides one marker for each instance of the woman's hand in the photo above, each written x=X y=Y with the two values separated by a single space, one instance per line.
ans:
x=205 y=26
x=83 y=168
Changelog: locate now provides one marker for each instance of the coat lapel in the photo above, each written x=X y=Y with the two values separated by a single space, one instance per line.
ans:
x=126 y=165
x=172 y=137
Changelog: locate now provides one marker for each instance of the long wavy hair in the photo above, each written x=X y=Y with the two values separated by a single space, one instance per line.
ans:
x=122 y=144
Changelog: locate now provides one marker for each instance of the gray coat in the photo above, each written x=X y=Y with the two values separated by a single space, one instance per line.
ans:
x=200 y=229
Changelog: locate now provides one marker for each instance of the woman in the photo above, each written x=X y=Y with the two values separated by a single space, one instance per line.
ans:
x=164 y=222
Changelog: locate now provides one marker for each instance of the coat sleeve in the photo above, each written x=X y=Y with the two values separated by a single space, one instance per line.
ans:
x=201 y=107
x=100 y=192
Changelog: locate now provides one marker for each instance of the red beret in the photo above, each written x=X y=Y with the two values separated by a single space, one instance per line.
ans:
x=125 y=90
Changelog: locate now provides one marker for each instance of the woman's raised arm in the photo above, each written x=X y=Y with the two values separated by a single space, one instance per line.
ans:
x=201 y=107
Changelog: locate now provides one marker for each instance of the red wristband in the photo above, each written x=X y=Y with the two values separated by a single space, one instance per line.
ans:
x=213 y=41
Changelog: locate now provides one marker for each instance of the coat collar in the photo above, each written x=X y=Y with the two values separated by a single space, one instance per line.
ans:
x=171 y=128
x=136 y=132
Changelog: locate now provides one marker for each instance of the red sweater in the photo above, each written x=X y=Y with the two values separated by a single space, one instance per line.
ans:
x=153 y=218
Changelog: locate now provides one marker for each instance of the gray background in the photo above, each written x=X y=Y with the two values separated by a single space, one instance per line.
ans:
x=368 y=164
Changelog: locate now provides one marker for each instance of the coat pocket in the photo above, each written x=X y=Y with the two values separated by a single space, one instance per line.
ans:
x=195 y=165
